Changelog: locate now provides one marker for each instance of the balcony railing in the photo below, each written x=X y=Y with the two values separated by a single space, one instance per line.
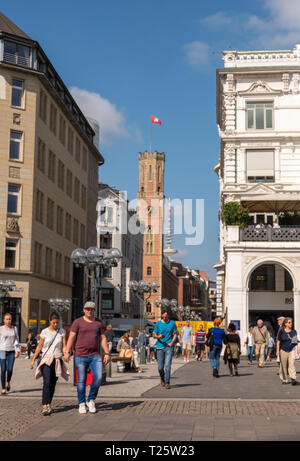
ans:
x=283 y=234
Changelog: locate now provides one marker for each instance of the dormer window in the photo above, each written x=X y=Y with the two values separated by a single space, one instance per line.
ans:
x=17 y=54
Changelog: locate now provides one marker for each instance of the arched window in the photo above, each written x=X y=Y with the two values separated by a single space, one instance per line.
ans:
x=148 y=308
x=149 y=270
x=150 y=172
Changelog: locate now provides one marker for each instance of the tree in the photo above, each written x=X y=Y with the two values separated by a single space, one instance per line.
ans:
x=235 y=214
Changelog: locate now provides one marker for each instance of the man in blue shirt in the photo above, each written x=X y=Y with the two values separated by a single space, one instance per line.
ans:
x=166 y=332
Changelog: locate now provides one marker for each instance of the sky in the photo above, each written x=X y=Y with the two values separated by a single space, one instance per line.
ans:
x=125 y=61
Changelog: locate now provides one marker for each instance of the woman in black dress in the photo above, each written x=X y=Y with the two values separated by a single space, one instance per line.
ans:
x=233 y=349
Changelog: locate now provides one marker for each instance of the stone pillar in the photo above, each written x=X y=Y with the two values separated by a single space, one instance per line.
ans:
x=279 y=278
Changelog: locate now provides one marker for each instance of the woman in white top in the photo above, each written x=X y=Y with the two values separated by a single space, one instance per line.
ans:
x=9 y=351
x=52 y=345
x=250 y=345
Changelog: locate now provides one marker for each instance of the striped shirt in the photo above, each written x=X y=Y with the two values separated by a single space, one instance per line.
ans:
x=200 y=337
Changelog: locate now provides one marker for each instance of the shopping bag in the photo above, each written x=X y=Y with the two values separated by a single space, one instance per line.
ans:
x=89 y=378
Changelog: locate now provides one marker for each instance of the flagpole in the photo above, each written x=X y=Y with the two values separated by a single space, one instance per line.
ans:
x=150 y=134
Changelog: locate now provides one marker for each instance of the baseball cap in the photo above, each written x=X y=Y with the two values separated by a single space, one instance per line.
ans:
x=89 y=305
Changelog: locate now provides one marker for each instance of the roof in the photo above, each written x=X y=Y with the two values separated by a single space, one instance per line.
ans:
x=6 y=25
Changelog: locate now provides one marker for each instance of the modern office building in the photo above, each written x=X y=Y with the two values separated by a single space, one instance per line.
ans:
x=258 y=116
x=48 y=181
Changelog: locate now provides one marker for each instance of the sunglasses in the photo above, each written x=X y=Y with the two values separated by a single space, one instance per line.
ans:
x=89 y=309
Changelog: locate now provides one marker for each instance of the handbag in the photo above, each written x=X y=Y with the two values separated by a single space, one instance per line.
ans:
x=126 y=353
x=40 y=357
x=210 y=341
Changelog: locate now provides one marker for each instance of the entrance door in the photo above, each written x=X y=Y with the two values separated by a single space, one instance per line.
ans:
x=13 y=307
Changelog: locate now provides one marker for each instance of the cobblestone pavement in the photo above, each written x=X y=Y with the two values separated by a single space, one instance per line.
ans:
x=151 y=420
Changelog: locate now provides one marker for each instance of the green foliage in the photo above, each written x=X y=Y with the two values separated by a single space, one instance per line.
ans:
x=235 y=214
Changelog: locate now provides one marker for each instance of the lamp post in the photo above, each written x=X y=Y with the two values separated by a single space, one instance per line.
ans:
x=140 y=289
x=94 y=260
x=167 y=303
x=5 y=287
x=60 y=305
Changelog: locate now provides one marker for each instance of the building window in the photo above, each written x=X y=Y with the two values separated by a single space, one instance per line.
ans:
x=59 y=220
x=68 y=226
x=58 y=261
x=288 y=281
x=51 y=166
x=70 y=141
x=260 y=165
x=148 y=308
x=62 y=130
x=69 y=183
x=149 y=270
x=17 y=92
x=39 y=210
x=43 y=106
x=106 y=241
x=83 y=197
x=82 y=236
x=259 y=115
x=106 y=215
x=48 y=262
x=84 y=158
x=50 y=213
x=37 y=257
x=76 y=190
x=75 y=231
x=150 y=172
x=77 y=150
x=53 y=118
x=263 y=278
x=15 y=145
x=10 y=253
x=61 y=175
x=41 y=156
x=67 y=269
x=13 y=200
x=17 y=54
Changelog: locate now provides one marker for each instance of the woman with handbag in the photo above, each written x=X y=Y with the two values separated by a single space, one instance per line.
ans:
x=287 y=340
x=51 y=366
x=233 y=349
x=126 y=352
x=215 y=342
x=9 y=351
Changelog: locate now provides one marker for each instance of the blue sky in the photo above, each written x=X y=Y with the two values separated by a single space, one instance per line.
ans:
x=124 y=61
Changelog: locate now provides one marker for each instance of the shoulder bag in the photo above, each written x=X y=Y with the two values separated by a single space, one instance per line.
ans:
x=40 y=357
x=210 y=340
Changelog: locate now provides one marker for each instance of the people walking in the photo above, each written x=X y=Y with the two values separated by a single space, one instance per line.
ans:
x=187 y=340
x=279 y=323
x=200 y=343
x=250 y=345
x=52 y=344
x=233 y=349
x=9 y=351
x=261 y=340
x=215 y=342
x=287 y=341
x=165 y=331
x=109 y=337
x=87 y=332
x=152 y=346
x=269 y=348
x=31 y=342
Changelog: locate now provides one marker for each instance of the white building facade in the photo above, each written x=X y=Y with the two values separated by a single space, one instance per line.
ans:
x=258 y=116
x=113 y=231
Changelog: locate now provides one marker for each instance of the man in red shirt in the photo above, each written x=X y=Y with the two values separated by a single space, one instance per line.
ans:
x=86 y=332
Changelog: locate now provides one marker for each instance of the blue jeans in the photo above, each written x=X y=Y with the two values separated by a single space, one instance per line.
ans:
x=250 y=350
x=82 y=364
x=7 y=360
x=214 y=356
x=164 y=361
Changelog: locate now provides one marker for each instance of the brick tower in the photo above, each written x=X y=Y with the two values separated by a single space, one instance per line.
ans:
x=151 y=214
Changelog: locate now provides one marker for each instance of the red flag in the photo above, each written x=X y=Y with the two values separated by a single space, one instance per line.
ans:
x=155 y=120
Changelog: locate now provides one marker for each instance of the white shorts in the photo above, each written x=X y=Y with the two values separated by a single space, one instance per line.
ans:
x=186 y=345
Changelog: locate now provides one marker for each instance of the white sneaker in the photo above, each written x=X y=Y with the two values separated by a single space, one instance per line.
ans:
x=184 y=359
x=91 y=406
x=82 y=408
x=26 y=357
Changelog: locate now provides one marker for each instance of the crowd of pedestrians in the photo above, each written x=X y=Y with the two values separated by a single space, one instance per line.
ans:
x=87 y=336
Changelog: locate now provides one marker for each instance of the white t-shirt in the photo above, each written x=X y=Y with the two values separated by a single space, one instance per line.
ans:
x=56 y=347
x=250 y=339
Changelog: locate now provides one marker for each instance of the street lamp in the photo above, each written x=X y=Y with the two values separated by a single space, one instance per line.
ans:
x=140 y=289
x=95 y=260
x=167 y=304
x=60 y=305
x=5 y=287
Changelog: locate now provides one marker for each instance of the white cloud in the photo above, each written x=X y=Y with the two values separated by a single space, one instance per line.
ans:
x=111 y=119
x=180 y=254
x=198 y=54
x=216 y=20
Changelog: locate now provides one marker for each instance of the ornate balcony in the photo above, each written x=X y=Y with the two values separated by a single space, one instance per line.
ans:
x=282 y=234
